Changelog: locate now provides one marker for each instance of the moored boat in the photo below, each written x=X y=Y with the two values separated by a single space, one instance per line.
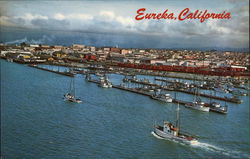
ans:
x=104 y=82
x=216 y=107
x=162 y=97
x=197 y=105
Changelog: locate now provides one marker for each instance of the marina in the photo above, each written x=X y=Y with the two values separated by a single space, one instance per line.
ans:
x=116 y=80
x=134 y=90
x=233 y=100
x=103 y=82
x=78 y=94
x=137 y=107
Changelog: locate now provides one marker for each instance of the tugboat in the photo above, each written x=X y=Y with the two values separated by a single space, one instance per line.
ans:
x=70 y=96
x=172 y=132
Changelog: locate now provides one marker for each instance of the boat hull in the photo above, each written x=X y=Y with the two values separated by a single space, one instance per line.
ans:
x=170 y=100
x=204 y=109
x=170 y=137
x=72 y=99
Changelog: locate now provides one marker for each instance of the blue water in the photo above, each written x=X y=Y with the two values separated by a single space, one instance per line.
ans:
x=37 y=123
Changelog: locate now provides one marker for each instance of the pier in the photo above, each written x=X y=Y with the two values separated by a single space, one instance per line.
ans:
x=182 y=83
x=232 y=100
x=134 y=90
x=57 y=72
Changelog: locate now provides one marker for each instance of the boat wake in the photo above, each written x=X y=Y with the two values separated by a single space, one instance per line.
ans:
x=212 y=148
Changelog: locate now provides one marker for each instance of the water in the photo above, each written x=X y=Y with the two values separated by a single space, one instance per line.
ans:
x=110 y=123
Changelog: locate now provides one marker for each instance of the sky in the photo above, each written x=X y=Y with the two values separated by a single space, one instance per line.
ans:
x=114 y=22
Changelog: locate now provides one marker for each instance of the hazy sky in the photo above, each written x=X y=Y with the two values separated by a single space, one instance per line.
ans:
x=117 y=17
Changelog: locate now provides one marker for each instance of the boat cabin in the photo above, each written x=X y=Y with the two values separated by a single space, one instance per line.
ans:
x=170 y=128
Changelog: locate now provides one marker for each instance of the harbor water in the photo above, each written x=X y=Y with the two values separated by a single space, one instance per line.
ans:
x=110 y=123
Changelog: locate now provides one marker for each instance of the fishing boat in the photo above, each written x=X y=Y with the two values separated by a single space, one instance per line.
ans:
x=162 y=97
x=216 y=107
x=129 y=78
x=172 y=132
x=104 y=82
x=237 y=92
x=159 y=95
x=234 y=98
x=70 y=96
x=197 y=104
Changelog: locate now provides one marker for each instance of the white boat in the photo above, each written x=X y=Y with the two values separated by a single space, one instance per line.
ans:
x=104 y=82
x=98 y=74
x=104 y=85
x=9 y=60
x=70 y=96
x=214 y=106
x=198 y=106
x=162 y=97
x=172 y=132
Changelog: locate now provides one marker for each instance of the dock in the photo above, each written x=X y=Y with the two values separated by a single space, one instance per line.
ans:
x=57 y=72
x=182 y=84
x=134 y=90
x=232 y=100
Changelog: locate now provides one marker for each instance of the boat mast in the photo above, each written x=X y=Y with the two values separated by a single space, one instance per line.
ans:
x=197 y=94
x=74 y=90
x=195 y=90
x=71 y=86
x=178 y=118
x=203 y=76
x=210 y=99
